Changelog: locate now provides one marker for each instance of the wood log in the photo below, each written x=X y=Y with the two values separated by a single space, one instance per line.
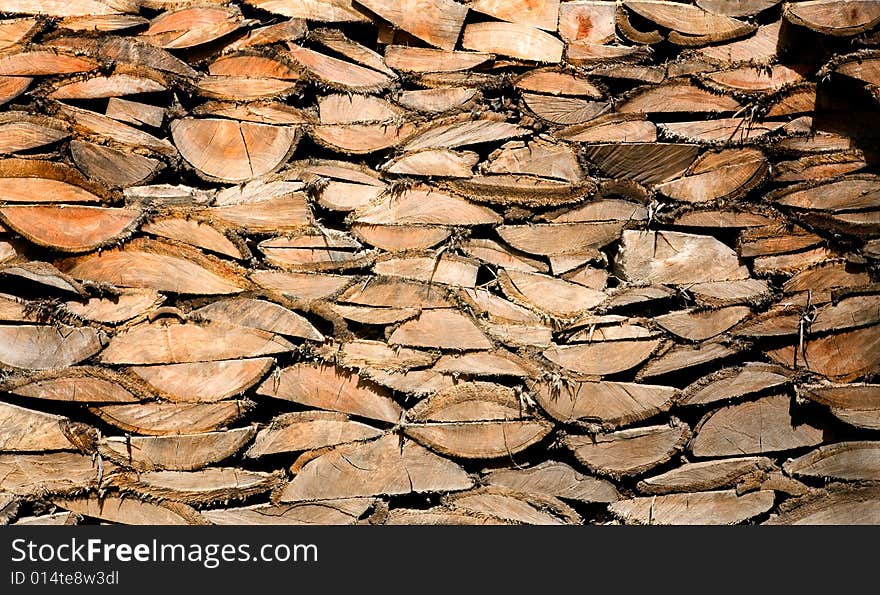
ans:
x=327 y=512
x=700 y=508
x=131 y=511
x=333 y=389
x=181 y=452
x=37 y=475
x=524 y=509
x=628 y=452
x=705 y=475
x=203 y=382
x=211 y=485
x=611 y=404
x=856 y=404
x=42 y=347
x=381 y=467
x=732 y=383
x=852 y=461
x=839 y=505
x=756 y=427
x=162 y=419
x=82 y=384
x=554 y=479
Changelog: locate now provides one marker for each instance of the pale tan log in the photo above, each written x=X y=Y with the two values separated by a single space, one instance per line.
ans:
x=259 y=314
x=840 y=19
x=29 y=430
x=604 y=358
x=395 y=293
x=755 y=427
x=856 y=404
x=587 y=21
x=151 y=264
x=437 y=22
x=850 y=461
x=445 y=329
x=838 y=505
x=515 y=507
x=611 y=404
x=36 y=475
x=131 y=511
x=331 y=388
x=162 y=419
x=702 y=324
x=183 y=452
x=325 y=11
x=705 y=475
x=415 y=59
x=558 y=480
x=203 y=382
x=420 y=206
x=41 y=347
x=832 y=355
x=628 y=452
x=309 y=430
x=385 y=466
x=211 y=485
x=376 y=355
x=732 y=383
x=195 y=233
x=171 y=343
x=514 y=40
x=700 y=508
x=84 y=384
x=328 y=512
x=549 y=295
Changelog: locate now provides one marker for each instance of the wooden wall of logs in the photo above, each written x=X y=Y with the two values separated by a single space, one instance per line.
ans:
x=439 y=262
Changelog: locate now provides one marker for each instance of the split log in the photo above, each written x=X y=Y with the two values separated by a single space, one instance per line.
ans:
x=309 y=430
x=382 y=467
x=725 y=175
x=376 y=355
x=70 y=228
x=211 y=485
x=554 y=479
x=856 y=404
x=645 y=162
x=203 y=382
x=546 y=294
x=603 y=358
x=586 y=22
x=113 y=167
x=515 y=40
x=258 y=314
x=839 y=19
x=172 y=343
x=682 y=357
x=524 y=509
x=475 y=420
x=189 y=27
x=437 y=22
x=831 y=357
x=700 y=508
x=162 y=419
x=732 y=383
x=850 y=461
x=327 y=512
x=28 y=430
x=611 y=404
x=131 y=511
x=181 y=452
x=39 y=347
x=37 y=475
x=232 y=151
x=332 y=389
x=628 y=452
x=445 y=329
x=198 y=234
x=705 y=475
x=756 y=427
x=76 y=385
x=702 y=324
x=839 y=505
x=150 y=264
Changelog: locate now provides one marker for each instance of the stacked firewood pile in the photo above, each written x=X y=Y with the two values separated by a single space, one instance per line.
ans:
x=437 y=262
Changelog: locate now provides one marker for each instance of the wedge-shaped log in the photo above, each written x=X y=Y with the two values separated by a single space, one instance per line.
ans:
x=309 y=430
x=700 y=508
x=763 y=426
x=856 y=404
x=333 y=389
x=150 y=264
x=705 y=475
x=382 y=467
x=162 y=419
x=214 y=484
x=40 y=347
x=851 y=461
x=628 y=452
x=183 y=452
x=611 y=404
x=28 y=430
x=131 y=511
x=50 y=473
x=203 y=382
x=558 y=480
x=167 y=342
